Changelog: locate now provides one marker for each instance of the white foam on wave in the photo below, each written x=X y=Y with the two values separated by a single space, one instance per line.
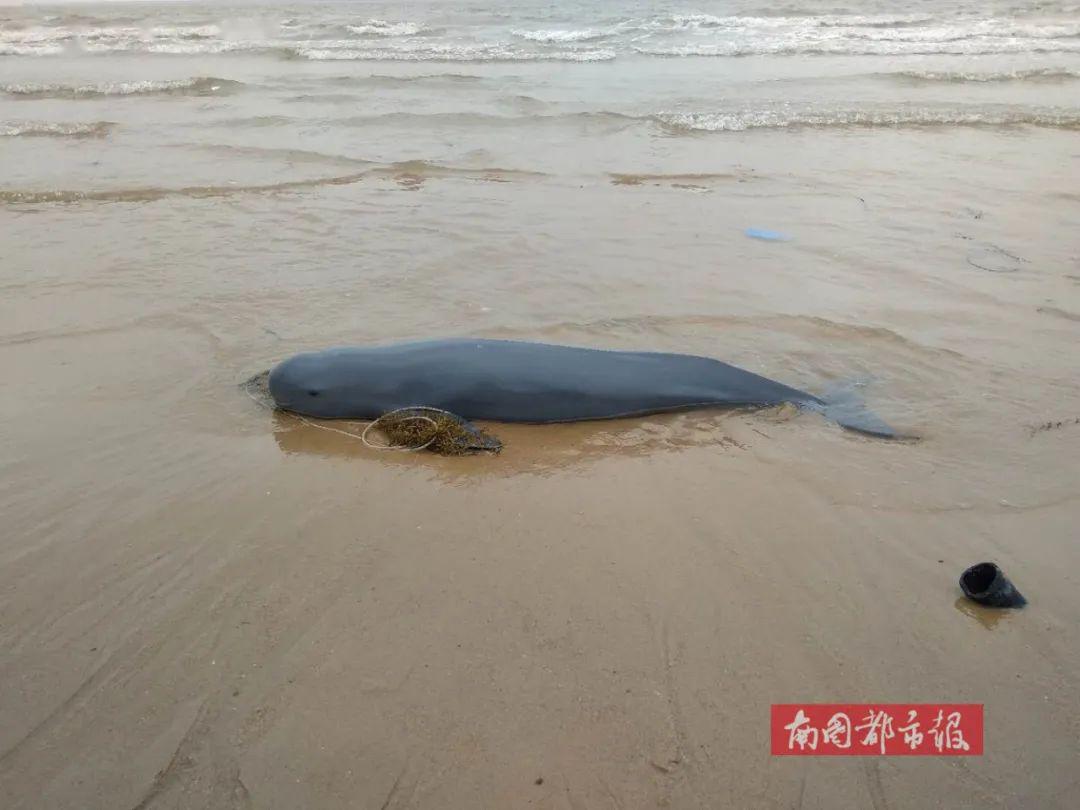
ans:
x=695 y=20
x=53 y=129
x=186 y=31
x=33 y=42
x=560 y=35
x=432 y=52
x=201 y=85
x=788 y=118
x=110 y=39
x=669 y=23
x=382 y=28
x=667 y=35
x=704 y=23
x=706 y=35
x=176 y=47
x=33 y=36
x=849 y=47
x=44 y=49
x=993 y=29
x=958 y=76
x=140 y=34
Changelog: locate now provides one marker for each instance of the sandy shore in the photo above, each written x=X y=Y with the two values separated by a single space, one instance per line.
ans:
x=204 y=604
x=600 y=617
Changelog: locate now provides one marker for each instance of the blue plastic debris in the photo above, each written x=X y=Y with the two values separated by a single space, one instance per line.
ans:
x=768 y=236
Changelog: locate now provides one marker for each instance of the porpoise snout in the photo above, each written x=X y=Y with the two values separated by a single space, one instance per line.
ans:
x=296 y=385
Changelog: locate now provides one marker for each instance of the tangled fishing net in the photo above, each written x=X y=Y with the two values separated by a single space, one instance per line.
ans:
x=424 y=428
x=417 y=427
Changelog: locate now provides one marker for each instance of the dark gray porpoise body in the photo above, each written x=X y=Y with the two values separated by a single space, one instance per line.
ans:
x=513 y=381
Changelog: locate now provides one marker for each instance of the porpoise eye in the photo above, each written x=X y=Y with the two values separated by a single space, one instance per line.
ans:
x=313 y=393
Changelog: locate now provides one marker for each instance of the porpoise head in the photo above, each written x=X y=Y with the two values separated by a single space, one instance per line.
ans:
x=310 y=384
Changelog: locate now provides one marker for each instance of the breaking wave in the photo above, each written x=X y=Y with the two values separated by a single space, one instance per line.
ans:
x=383 y=80
x=51 y=129
x=200 y=86
x=1033 y=75
x=677 y=22
x=439 y=52
x=785 y=118
x=861 y=47
x=382 y=28
x=560 y=35
x=483 y=120
x=324 y=37
x=30 y=49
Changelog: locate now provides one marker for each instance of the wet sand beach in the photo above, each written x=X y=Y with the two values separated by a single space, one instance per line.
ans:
x=207 y=604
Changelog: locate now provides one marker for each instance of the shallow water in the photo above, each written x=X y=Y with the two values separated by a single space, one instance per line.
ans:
x=190 y=192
